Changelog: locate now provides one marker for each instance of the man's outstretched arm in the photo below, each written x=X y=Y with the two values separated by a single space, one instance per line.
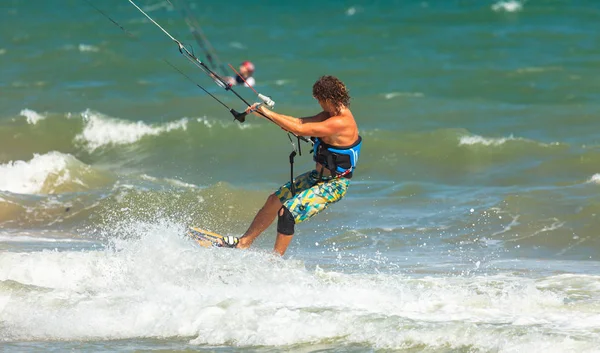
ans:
x=318 y=125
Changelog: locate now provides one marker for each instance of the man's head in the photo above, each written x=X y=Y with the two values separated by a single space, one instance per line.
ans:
x=246 y=69
x=330 y=90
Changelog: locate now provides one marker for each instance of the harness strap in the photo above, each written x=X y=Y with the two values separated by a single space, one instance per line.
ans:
x=292 y=186
x=292 y=155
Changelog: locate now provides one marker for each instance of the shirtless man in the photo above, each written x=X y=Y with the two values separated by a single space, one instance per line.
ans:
x=336 y=150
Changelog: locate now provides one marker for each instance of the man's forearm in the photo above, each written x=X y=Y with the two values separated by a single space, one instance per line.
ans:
x=288 y=123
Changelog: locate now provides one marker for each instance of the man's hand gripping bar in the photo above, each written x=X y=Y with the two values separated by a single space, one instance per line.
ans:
x=241 y=117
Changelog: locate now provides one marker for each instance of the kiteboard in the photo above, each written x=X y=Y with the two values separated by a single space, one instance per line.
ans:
x=205 y=238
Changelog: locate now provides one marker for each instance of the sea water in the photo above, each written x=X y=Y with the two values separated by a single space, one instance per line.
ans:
x=471 y=224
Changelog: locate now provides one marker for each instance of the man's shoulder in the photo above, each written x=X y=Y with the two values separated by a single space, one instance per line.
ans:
x=250 y=81
x=347 y=113
x=343 y=117
x=323 y=115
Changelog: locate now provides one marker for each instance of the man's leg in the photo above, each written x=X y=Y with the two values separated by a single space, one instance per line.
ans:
x=304 y=205
x=285 y=230
x=281 y=243
x=261 y=221
x=268 y=212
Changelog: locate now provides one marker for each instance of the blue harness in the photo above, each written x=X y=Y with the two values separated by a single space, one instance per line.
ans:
x=341 y=161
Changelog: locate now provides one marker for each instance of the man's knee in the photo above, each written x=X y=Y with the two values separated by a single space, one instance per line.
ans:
x=273 y=200
x=285 y=221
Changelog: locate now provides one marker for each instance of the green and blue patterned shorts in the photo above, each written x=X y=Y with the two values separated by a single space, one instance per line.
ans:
x=312 y=195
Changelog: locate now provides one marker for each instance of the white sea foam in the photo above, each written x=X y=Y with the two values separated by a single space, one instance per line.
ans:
x=174 y=182
x=159 y=284
x=12 y=238
x=351 y=11
x=159 y=5
x=507 y=6
x=486 y=141
x=237 y=45
x=88 y=48
x=180 y=183
x=224 y=123
x=595 y=179
x=532 y=69
x=4 y=299
x=32 y=116
x=100 y=130
x=42 y=174
x=403 y=94
x=498 y=141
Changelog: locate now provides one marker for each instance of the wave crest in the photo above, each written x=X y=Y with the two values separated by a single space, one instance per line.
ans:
x=32 y=116
x=100 y=130
x=49 y=173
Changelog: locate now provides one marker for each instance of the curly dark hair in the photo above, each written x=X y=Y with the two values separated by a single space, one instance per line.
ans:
x=331 y=89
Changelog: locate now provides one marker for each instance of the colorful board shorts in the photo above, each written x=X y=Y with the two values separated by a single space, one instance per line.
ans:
x=312 y=195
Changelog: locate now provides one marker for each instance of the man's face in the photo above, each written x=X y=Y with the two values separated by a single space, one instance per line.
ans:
x=321 y=103
x=245 y=72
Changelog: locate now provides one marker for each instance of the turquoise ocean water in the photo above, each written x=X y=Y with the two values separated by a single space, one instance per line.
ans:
x=471 y=225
